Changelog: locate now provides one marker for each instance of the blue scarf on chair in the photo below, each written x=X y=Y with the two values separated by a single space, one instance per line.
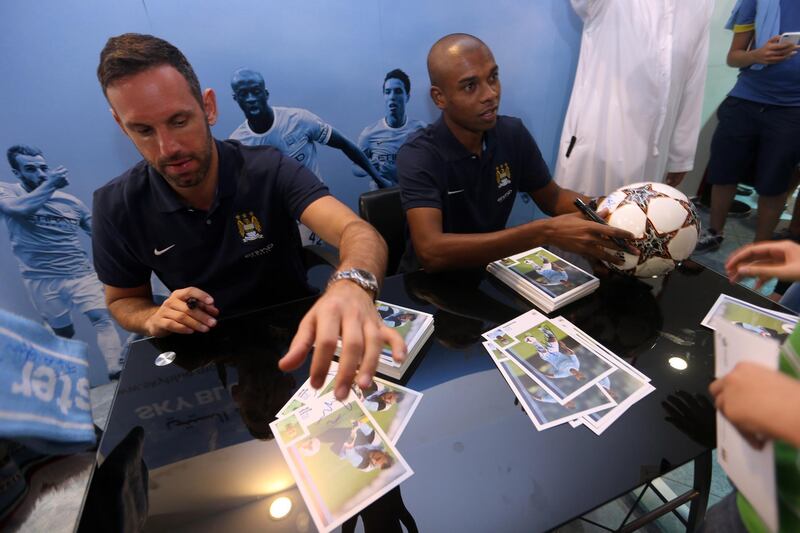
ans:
x=44 y=388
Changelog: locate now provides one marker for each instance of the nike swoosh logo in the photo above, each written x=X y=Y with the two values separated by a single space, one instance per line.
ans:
x=156 y=251
x=455 y=192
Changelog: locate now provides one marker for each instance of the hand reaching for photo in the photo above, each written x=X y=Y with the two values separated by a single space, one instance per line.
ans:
x=765 y=260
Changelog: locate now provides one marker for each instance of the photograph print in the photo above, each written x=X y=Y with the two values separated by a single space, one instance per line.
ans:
x=625 y=389
x=390 y=405
x=344 y=463
x=543 y=408
x=557 y=362
x=549 y=273
x=751 y=318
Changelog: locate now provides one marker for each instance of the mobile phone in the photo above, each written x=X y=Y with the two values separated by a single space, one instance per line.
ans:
x=790 y=37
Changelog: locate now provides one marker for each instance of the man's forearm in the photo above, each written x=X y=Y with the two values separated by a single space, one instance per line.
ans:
x=450 y=251
x=566 y=202
x=361 y=246
x=132 y=313
x=29 y=203
x=360 y=158
x=357 y=156
x=741 y=58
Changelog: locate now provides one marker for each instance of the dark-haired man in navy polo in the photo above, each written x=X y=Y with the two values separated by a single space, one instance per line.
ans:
x=216 y=221
x=460 y=175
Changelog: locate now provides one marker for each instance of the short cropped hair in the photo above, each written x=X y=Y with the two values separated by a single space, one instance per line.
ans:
x=132 y=53
x=398 y=75
x=20 y=149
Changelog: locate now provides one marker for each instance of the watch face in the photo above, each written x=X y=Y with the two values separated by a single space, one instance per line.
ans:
x=365 y=276
x=361 y=277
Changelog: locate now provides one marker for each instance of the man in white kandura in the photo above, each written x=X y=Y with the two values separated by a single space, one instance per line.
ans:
x=634 y=113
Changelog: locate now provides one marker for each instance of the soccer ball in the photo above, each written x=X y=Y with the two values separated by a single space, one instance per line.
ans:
x=663 y=221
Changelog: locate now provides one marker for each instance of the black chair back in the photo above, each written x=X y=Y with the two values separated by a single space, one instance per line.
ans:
x=383 y=210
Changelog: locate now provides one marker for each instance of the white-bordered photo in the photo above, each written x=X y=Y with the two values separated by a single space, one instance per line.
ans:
x=547 y=272
x=494 y=351
x=407 y=322
x=587 y=340
x=556 y=361
x=414 y=326
x=624 y=388
x=343 y=464
x=763 y=322
x=543 y=409
x=389 y=404
x=306 y=393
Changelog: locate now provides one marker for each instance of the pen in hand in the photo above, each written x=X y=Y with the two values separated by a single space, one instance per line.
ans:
x=591 y=214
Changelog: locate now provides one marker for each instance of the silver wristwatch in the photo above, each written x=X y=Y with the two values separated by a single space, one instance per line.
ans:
x=366 y=280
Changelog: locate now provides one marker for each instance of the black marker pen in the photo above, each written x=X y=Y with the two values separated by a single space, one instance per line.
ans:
x=591 y=214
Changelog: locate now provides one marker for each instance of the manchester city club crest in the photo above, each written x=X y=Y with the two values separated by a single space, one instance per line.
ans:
x=502 y=174
x=249 y=227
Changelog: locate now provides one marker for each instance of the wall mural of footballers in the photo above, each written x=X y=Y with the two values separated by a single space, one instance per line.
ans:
x=294 y=131
x=44 y=224
x=381 y=141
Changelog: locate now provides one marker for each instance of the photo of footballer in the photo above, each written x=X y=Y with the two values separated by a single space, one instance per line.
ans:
x=560 y=364
x=549 y=273
x=543 y=409
x=414 y=326
x=44 y=225
x=381 y=141
x=626 y=389
x=763 y=322
x=390 y=405
x=344 y=463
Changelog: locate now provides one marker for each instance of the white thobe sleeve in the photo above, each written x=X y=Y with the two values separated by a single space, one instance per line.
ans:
x=683 y=144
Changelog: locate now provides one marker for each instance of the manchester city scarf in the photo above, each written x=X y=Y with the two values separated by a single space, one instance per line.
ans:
x=44 y=388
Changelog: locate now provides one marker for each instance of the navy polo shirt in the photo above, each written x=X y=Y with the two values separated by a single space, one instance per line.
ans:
x=245 y=251
x=474 y=193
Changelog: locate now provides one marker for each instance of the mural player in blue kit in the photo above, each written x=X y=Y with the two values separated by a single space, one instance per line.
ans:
x=459 y=176
x=381 y=141
x=44 y=224
x=292 y=130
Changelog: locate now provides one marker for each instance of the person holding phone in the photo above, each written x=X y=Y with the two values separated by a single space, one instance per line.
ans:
x=759 y=122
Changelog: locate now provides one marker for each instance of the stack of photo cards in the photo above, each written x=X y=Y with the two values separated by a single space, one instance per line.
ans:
x=545 y=279
x=560 y=374
x=342 y=454
x=763 y=322
x=414 y=326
